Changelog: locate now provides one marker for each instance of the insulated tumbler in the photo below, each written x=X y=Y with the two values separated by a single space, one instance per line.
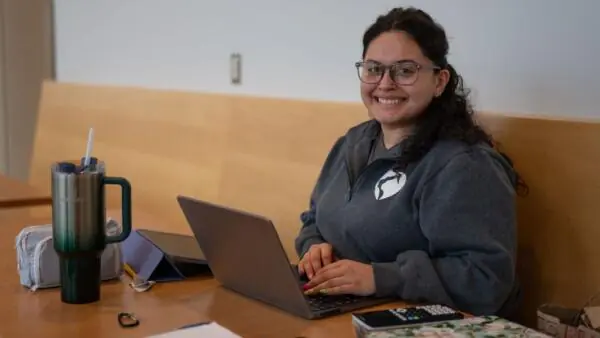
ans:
x=78 y=226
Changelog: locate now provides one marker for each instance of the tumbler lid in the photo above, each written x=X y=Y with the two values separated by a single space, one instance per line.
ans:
x=93 y=161
x=66 y=167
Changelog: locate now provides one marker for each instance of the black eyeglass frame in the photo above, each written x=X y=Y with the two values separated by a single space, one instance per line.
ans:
x=388 y=68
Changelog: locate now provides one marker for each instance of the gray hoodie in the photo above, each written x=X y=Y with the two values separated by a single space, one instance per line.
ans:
x=444 y=231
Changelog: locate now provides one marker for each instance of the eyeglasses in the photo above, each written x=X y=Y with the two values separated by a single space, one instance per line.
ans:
x=404 y=73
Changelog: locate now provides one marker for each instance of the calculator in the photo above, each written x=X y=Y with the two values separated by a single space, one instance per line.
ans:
x=401 y=317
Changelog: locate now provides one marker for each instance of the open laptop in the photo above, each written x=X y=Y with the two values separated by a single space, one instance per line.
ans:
x=245 y=255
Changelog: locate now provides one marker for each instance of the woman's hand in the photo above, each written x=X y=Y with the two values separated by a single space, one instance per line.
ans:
x=318 y=256
x=343 y=277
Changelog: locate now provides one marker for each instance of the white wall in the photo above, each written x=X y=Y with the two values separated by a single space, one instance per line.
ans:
x=527 y=56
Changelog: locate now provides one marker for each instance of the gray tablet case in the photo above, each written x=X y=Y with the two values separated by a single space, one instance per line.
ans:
x=37 y=261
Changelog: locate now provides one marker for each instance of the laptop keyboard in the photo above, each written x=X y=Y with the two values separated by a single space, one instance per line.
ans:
x=324 y=302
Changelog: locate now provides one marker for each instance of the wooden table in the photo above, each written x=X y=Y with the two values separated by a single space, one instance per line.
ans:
x=14 y=193
x=164 y=307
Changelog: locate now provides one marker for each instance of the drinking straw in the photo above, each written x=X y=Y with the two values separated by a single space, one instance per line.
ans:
x=88 y=149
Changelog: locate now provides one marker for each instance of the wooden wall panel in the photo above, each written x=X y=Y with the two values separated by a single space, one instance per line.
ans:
x=559 y=227
x=264 y=155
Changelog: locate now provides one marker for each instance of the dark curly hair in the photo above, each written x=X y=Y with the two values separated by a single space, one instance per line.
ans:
x=448 y=116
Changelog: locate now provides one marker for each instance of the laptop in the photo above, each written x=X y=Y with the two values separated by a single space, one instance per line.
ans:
x=245 y=255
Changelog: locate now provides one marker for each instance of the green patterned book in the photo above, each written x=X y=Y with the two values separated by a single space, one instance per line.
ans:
x=472 y=327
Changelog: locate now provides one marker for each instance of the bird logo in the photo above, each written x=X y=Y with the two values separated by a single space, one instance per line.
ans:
x=389 y=184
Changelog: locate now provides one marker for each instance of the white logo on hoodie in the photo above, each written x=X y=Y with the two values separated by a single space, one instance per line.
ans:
x=389 y=184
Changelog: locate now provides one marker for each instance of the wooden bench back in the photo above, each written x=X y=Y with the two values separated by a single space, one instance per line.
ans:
x=264 y=155
x=256 y=155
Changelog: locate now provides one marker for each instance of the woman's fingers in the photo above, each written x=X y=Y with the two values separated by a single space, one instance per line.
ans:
x=330 y=284
x=327 y=273
x=317 y=257
x=340 y=290
x=315 y=262
x=301 y=268
x=326 y=255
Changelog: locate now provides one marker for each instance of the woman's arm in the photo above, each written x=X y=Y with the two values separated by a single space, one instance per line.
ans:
x=309 y=233
x=467 y=212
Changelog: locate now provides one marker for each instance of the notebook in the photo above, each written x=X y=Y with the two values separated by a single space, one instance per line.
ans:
x=472 y=327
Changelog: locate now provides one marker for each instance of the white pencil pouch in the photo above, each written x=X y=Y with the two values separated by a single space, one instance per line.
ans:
x=37 y=261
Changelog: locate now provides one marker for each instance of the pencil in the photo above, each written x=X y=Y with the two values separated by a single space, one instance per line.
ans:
x=129 y=271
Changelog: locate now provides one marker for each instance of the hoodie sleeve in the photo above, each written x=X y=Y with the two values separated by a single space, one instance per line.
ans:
x=309 y=233
x=467 y=212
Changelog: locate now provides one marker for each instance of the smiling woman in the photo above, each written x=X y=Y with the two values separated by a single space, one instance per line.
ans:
x=415 y=203
x=391 y=87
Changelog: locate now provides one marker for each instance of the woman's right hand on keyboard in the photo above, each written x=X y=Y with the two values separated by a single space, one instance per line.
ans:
x=318 y=256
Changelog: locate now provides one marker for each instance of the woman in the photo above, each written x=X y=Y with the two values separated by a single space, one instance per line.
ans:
x=414 y=203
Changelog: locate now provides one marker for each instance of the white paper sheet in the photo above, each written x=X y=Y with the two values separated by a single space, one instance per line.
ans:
x=212 y=330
